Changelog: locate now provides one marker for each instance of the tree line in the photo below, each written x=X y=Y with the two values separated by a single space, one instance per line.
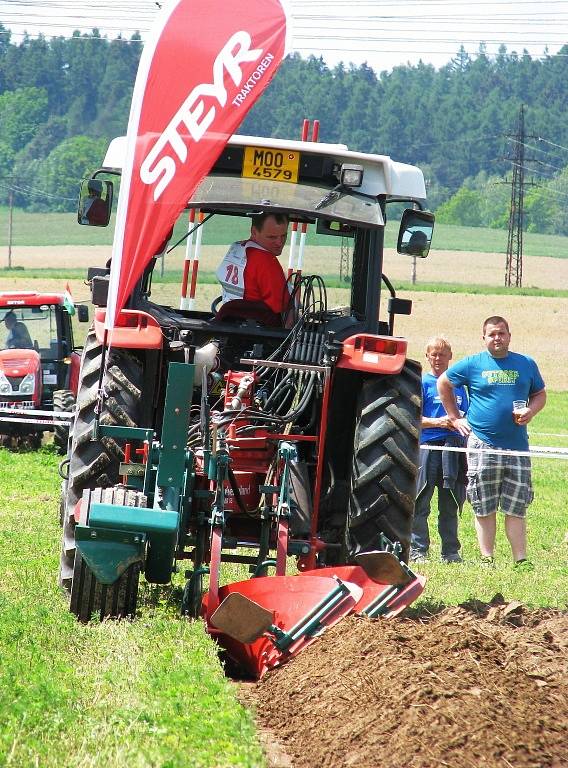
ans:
x=63 y=99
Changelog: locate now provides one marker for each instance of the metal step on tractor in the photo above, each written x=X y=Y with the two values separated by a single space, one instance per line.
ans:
x=39 y=367
x=225 y=436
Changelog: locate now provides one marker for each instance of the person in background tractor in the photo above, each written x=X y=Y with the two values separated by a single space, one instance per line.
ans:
x=18 y=335
x=441 y=470
x=94 y=208
x=251 y=271
x=497 y=380
x=417 y=243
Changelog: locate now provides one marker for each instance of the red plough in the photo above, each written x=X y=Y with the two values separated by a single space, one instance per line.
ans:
x=259 y=636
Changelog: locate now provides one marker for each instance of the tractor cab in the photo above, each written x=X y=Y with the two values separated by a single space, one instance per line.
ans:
x=39 y=363
x=337 y=202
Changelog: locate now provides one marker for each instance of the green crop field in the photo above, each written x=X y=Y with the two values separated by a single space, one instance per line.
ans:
x=39 y=229
x=151 y=692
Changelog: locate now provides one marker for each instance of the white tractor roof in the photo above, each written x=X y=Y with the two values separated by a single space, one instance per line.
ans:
x=382 y=175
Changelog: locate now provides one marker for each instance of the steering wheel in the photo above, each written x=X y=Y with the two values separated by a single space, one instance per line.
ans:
x=215 y=304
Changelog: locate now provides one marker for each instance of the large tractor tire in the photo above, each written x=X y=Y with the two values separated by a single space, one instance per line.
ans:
x=63 y=402
x=385 y=460
x=90 y=598
x=95 y=464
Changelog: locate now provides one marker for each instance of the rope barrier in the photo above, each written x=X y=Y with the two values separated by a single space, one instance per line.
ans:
x=536 y=451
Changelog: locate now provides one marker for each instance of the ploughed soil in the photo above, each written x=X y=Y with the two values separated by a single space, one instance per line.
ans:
x=473 y=686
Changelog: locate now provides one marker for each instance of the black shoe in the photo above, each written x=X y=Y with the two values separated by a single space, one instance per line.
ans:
x=454 y=558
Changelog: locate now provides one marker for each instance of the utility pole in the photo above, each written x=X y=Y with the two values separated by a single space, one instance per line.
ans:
x=10 y=213
x=514 y=261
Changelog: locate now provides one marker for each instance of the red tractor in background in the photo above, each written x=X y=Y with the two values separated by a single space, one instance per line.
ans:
x=39 y=367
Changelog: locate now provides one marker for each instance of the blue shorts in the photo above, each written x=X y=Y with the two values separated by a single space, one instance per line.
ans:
x=497 y=481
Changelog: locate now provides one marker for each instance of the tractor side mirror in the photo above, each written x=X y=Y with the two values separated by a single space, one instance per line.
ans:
x=95 y=202
x=415 y=233
x=82 y=313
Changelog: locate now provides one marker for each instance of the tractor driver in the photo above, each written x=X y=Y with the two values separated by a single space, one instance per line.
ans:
x=251 y=270
x=18 y=335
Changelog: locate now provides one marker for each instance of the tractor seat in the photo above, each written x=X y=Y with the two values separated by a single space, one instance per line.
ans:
x=239 y=310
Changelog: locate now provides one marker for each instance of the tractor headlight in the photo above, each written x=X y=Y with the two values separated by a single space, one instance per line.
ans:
x=5 y=386
x=27 y=384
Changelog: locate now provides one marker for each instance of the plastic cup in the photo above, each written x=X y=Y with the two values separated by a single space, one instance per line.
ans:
x=518 y=408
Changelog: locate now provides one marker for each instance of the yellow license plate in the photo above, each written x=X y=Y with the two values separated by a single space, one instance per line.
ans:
x=273 y=164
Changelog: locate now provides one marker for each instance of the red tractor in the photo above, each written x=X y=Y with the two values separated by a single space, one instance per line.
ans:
x=217 y=436
x=39 y=366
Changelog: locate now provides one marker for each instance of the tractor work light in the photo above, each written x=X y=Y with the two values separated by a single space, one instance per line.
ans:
x=5 y=386
x=351 y=175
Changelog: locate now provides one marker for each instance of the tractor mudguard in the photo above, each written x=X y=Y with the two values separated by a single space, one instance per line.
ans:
x=109 y=553
x=373 y=354
x=115 y=537
x=133 y=330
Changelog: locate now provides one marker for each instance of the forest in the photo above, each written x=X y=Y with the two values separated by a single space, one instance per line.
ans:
x=63 y=99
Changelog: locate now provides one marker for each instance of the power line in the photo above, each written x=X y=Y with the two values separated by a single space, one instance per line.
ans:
x=531 y=170
x=550 y=191
x=552 y=144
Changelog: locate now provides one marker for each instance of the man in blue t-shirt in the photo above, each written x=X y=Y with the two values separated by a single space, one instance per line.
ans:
x=495 y=379
x=438 y=469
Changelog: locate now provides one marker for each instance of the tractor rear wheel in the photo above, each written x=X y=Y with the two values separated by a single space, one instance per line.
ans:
x=89 y=597
x=95 y=464
x=385 y=460
x=63 y=402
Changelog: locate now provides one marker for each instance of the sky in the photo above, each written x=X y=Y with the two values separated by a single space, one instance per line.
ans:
x=382 y=33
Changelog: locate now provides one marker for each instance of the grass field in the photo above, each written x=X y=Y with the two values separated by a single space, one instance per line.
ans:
x=538 y=321
x=126 y=695
x=152 y=692
x=44 y=229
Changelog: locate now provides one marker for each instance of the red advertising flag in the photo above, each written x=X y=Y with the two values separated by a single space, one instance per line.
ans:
x=201 y=70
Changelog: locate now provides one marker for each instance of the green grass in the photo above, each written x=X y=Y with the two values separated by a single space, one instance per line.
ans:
x=120 y=694
x=546 y=586
x=62 y=229
x=448 y=237
x=152 y=693
x=547 y=527
x=550 y=427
